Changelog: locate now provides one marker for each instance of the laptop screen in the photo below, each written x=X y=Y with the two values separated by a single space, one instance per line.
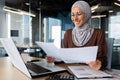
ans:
x=14 y=55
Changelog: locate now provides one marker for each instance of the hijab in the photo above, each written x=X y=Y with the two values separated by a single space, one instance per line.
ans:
x=81 y=35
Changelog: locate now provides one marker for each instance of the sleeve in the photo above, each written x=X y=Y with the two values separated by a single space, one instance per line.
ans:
x=65 y=40
x=102 y=49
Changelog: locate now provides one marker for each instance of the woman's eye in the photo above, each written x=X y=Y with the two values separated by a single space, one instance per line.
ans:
x=77 y=14
x=72 y=14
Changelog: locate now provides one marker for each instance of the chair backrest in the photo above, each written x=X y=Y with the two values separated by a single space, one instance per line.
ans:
x=110 y=42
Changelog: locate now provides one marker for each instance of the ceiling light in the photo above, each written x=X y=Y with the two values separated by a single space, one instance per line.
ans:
x=18 y=11
x=93 y=11
x=117 y=4
x=94 y=7
x=110 y=11
x=27 y=4
x=98 y=16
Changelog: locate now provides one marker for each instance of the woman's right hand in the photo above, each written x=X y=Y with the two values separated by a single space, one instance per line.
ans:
x=50 y=59
x=96 y=65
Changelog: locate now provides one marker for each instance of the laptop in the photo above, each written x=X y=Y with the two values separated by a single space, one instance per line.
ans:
x=31 y=69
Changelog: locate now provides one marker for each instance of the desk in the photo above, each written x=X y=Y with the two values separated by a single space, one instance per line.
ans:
x=9 y=72
x=24 y=47
x=30 y=49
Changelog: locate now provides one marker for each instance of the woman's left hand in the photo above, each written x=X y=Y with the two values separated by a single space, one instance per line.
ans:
x=96 y=65
x=50 y=59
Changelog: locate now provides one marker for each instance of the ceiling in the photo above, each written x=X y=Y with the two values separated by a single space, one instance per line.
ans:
x=49 y=7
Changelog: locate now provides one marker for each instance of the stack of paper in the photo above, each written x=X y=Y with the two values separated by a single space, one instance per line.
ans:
x=70 y=55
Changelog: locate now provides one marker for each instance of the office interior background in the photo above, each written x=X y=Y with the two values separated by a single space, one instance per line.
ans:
x=27 y=21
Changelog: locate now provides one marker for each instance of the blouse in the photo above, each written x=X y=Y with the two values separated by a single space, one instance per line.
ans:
x=97 y=39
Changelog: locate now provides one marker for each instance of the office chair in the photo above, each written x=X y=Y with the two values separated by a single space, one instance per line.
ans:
x=110 y=42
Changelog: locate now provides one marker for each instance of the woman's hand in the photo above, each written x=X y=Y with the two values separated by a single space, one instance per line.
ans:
x=50 y=59
x=96 y=65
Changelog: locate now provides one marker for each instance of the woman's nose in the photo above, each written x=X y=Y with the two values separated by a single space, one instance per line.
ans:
x=75 y=17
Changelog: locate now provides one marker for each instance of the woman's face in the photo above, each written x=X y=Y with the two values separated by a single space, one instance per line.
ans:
x=77 y=16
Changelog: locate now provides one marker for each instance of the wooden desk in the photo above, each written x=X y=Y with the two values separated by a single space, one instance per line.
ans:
x=22 y=48
x=9 y=72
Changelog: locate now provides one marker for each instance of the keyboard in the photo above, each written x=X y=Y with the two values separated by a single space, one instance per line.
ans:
x=60 y=77
x=36 y=68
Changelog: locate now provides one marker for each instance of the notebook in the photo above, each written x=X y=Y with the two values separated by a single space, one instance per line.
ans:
x=85 y=72
x=31 y=69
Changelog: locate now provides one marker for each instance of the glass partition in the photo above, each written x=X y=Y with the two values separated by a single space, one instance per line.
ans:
x=52 y=30
x=22 y=26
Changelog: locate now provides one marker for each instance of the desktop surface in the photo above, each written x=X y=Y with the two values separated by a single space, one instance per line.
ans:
x=9 y=72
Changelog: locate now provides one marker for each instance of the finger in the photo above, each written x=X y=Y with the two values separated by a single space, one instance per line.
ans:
x=87 y=62
x=90 y=62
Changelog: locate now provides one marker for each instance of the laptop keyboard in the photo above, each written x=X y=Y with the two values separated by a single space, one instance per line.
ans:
x=36 y=68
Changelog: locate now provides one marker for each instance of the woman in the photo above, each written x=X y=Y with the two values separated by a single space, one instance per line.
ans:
x=83 y=35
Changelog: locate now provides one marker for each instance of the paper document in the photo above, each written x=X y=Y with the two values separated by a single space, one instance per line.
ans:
x=78 y=55
x=87 y=72
x=50 y=49
x=70 y=55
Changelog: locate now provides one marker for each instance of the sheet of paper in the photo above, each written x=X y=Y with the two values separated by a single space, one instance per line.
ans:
x=70 y=55
x=87 y=72
x=79 y=55
x=50 y=49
